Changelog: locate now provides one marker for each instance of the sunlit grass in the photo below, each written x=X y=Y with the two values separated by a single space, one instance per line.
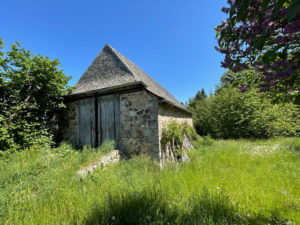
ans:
x=230 y=182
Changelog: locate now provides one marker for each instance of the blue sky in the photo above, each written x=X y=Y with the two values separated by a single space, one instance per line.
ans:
x=171 y=40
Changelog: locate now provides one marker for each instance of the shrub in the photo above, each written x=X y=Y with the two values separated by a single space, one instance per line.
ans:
x=232 y=114
x=191 y=133
x=107 y=146
x=202 y=117
x=31 y=89
x=207 y=140
x=276 y=120
x=173 y=135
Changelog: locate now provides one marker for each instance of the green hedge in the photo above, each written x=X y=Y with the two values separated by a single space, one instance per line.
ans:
x=231 y=114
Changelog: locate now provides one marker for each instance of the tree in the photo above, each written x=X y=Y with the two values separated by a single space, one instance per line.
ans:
x=232 y=114
x=244 y=80
x=31 y=96
x=201 y=95
x=265 y=35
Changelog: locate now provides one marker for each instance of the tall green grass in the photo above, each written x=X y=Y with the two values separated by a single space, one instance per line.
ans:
x=229 y=182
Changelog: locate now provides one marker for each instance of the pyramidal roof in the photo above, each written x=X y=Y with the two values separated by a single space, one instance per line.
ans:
x=111 y=69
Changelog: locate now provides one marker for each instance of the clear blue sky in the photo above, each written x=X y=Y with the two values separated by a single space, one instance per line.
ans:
x=171 y=40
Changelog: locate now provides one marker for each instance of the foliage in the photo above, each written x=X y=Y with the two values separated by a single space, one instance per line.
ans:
x=248 y=79
x=232 y=114
x=174 y=133
x=197 y=141
x=201 y=95
x=244 y=80
x=31 y=96
x=265 y=35
x=105 y=147
x=230 y=182
x=276 y=120
x=207 y=140
x=191 y=133
x=202 y=116
x=172 y=137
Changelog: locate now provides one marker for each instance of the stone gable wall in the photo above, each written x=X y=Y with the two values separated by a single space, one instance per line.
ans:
x=138 y=124
x=167 y=114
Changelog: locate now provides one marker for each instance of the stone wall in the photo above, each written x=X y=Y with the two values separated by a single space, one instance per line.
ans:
x=141 y=122
x=138 y=124
x=102 y=161
x=69 y=126
x=167 y=113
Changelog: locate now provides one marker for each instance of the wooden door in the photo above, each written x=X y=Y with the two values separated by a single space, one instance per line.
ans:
x=108 y=118
x=86 y=117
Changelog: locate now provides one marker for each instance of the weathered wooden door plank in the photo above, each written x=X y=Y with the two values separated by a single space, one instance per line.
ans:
x=117 y=118
x=86 y=109
x=99 y=121
x=107 y=117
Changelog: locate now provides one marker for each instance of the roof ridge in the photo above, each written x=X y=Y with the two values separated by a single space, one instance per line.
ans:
x=116 y=53
x=111 y=69
x=150 y=84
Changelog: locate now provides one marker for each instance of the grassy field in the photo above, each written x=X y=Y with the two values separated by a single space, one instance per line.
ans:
x=229 y=182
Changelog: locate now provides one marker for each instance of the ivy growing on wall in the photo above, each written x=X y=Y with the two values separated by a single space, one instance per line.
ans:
x=174 y=136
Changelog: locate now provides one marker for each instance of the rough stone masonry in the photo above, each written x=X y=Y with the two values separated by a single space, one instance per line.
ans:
x=126 y=105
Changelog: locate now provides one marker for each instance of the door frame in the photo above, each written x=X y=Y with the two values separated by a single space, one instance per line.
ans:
x=96 y=129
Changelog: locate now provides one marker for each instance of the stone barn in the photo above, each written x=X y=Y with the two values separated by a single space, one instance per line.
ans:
x=114 y=99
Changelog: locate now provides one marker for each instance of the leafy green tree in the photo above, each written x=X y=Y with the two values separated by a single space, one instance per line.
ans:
x=31 y=96
x=201 y=95
x=202 y=117
x=243 y=80
x=265 y=35
x=248 y=79
x=232 y=114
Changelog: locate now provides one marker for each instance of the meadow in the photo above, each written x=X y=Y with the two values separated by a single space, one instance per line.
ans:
x=227 y=182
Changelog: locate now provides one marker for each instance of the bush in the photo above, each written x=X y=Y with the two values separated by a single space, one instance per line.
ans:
x=31 y=89
x=207 y=140
x=202 y=117
x=231 y=114
x=173 y=134
x=106 y=146
x=191 y=133
x=277 y=120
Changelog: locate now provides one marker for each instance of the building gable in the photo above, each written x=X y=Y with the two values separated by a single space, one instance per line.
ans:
x=111 y=69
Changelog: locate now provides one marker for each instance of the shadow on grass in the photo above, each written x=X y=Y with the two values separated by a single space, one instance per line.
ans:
x=151 y=208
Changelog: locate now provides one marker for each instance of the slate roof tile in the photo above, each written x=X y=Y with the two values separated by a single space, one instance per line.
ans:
x=110 y=68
